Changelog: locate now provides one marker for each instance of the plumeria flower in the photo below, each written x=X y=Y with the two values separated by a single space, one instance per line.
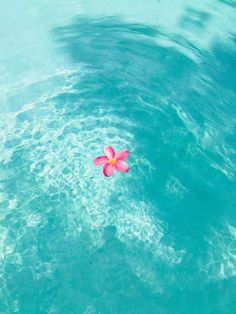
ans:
x=112 y=161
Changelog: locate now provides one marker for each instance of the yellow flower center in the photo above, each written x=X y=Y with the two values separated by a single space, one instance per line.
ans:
x=112 y=161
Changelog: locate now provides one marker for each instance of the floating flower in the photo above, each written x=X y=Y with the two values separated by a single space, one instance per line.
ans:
x=112 y=161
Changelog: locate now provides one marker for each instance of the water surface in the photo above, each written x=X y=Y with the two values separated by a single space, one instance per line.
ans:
x=152 y=78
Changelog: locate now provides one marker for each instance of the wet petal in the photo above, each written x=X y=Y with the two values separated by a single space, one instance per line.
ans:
x=101 y=160
x=121 y=166
x=109 y=152
x=122 y=155
x=108 y=170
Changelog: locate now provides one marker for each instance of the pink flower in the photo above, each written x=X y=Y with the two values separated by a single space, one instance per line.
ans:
x=112 y=161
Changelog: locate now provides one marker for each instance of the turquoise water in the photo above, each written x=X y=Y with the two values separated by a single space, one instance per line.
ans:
x=153 y=77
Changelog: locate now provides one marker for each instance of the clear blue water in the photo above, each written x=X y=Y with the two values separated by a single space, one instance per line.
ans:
x=154 y=77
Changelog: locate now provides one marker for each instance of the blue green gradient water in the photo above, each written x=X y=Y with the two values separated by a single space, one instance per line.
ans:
x=157 y=78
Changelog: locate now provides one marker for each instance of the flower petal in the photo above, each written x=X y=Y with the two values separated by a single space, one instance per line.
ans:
x=121 y=166
x=122 y=155
x=109 y=152
x=101 y=160
x=108 y=170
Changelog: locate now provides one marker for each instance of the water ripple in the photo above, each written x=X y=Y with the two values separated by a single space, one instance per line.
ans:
x=61 y=218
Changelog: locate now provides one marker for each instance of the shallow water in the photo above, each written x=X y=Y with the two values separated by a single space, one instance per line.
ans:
x=156 y=79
